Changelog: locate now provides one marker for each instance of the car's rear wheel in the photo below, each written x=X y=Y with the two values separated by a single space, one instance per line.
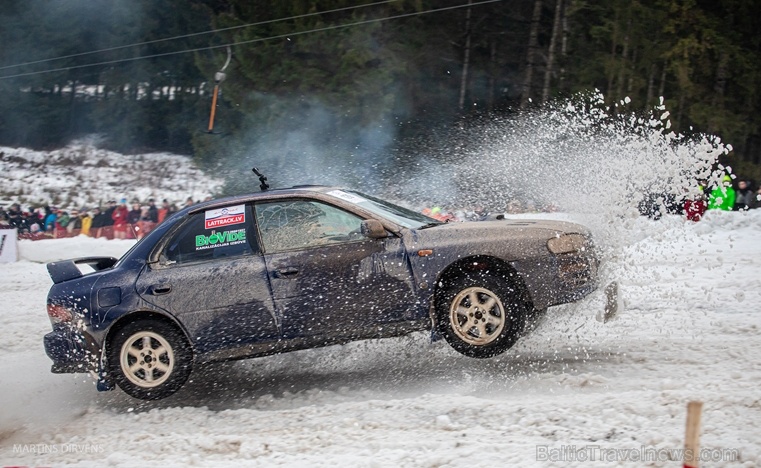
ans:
x=481 y=316
x=151 y=359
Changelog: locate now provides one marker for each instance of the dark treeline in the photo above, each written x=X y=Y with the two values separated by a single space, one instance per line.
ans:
x=370 y=86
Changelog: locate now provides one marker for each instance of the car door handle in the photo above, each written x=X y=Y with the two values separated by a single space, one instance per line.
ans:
x=289 y=272
x=158 y=290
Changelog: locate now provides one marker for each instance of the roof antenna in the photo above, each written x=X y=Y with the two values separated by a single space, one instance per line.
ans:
x=264 y=185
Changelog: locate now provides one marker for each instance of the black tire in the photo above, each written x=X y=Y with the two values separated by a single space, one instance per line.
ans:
x=481 y=316
x=150 y=359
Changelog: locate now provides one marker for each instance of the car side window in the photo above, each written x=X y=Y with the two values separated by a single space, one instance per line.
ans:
x=297 y=224
x=212 y=234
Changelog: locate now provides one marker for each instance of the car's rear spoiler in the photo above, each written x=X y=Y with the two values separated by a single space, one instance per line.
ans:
x=66 y=270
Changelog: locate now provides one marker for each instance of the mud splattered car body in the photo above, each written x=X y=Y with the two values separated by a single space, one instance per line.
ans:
x=299 y=268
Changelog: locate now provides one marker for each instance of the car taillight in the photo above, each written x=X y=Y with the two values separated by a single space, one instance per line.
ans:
x=58 y=313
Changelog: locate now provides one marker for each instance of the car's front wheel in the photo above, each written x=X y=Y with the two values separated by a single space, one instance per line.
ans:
x=481 y=316
x=150 y=359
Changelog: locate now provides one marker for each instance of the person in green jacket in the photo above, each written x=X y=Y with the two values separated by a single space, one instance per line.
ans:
x=722 y=197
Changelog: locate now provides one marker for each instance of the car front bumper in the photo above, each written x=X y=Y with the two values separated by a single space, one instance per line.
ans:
x=559 y=279
x=577 y=276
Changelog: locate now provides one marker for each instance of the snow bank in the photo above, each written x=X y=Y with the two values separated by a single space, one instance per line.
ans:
x=82 y=175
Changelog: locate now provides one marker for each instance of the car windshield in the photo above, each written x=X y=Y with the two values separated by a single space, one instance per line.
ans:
x=399 y=215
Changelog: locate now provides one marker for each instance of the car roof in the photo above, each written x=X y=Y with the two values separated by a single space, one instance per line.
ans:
x=263 y=195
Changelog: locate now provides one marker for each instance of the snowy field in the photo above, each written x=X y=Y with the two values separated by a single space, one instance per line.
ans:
x=576 y=392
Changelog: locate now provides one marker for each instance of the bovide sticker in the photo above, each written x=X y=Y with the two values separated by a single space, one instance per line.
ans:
x=225 y=216
x=220 y=239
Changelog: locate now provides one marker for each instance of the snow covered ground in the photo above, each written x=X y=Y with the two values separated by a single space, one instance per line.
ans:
x=576 y=392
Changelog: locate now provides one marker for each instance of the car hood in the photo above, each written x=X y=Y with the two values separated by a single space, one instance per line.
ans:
x=512 y=227
x=509 y=239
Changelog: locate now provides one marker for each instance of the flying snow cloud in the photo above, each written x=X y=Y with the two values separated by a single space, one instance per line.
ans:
x=573 y=156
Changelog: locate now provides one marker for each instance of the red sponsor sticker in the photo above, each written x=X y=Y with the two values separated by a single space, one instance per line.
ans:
x=227 y=216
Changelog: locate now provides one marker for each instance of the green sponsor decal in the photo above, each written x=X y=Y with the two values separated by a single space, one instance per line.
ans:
x=218 y=239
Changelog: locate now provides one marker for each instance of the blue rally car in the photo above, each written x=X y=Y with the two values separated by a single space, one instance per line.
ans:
x=304 y=267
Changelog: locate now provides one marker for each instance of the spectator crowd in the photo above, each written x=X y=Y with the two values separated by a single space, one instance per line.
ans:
x=725 y=196
x=114 y=221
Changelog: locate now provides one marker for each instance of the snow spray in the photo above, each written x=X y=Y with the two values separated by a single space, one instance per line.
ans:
x=576 y=156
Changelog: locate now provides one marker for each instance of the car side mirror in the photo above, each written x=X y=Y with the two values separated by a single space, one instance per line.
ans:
x=373 y=229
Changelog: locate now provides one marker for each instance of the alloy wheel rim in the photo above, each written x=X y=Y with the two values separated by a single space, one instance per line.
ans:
x=477 y=316
x=147 y=359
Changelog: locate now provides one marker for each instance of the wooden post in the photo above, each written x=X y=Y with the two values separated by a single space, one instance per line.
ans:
x=692 y=435
x=213 y=107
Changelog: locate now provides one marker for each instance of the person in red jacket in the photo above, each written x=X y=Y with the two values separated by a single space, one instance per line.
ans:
x=696 y=206
x=166 y=210
x=120 y=217
x=695 y=209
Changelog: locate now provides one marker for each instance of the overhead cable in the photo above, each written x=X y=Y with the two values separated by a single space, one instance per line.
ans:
x=250 y=41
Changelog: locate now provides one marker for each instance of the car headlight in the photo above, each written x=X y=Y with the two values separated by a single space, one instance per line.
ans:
x=566 y=243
